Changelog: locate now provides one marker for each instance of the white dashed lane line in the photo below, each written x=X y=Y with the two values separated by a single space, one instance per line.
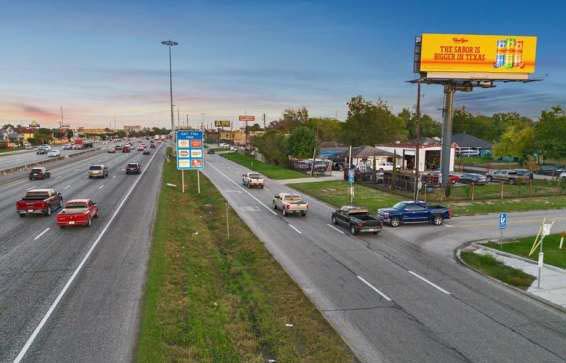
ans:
x=336 y=229
x=295 y=229
x=41 y=234
x=429 y=282
x=373 y=288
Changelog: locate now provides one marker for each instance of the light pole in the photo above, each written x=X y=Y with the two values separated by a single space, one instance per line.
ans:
x=171 y=44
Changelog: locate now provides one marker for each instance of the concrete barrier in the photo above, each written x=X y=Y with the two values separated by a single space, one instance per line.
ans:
x=24 y=167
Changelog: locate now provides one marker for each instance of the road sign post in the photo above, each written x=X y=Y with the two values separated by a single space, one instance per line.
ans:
x=351 y=178
x=502 y=226
x=190 y=153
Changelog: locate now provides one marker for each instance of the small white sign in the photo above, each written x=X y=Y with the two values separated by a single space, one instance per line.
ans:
x=184 y=163
x=184 y=153
x=196 y=153
x=183 y=143
x=540 y=259
x=546 y=229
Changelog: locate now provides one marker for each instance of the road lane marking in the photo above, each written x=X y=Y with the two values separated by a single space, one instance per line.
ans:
x=41 y=234
x=100 y=187
x=334 y=228
x=373 y=288
x=295 y=228
x=76 y=272
x=67 y=187
x=113 y=176
x=245 y=191
x=429 y=282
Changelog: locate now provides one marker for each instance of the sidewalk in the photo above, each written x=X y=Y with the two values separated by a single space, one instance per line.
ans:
x=553 y=281
x=336 y=175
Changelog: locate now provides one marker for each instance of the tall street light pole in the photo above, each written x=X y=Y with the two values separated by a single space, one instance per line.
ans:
x=171 y=44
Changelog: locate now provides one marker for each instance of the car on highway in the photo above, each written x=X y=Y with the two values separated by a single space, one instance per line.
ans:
x=152 y=145
x=77 y=212
x=356 y=219
x=39 y=202
x=252 y=180
x=54 y=153
x=141 y=147
x=414 y=212
x=133 y=168
x=146 y=151
x=473 y=178
x=39 y=173
x=98 y=171
x=111 y=150
x=118 y=147
x=290 y=203
x=125 y=149
x=67 y=147
x=43 y=149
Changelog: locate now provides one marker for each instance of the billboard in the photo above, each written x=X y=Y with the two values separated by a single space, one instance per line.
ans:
x=469 y=53
x=222 y=123
x=247 y=118
x=190 y=150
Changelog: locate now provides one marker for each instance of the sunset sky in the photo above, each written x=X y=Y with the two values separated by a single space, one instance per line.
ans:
x=103 y=60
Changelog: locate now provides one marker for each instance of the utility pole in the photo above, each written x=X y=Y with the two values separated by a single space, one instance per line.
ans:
x=171 y=44
x=62 y=122
x=264 y=121
x=447 y=136
x=418 y=134
x=187 y=121
x=178 y=122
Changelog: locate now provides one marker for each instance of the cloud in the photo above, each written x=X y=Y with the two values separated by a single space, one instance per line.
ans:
x=35 y=112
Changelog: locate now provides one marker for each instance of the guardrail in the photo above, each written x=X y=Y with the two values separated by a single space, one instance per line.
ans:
x=18 y=168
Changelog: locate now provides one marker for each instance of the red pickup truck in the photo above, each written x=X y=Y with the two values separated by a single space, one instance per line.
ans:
x=39 y=201
x=77 y=212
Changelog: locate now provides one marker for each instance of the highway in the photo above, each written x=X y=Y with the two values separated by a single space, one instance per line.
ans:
x=400 y=296
x=21 y=159
x=101 y=269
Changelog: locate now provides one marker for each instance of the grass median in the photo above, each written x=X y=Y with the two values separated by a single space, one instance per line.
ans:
x=491 y=267
x=269 y=170
x=336 y=193
x=553 y=255
x=212 y=299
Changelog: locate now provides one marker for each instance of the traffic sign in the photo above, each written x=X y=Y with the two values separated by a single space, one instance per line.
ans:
x=502 y=220
x=190 y=150
x=351 y=176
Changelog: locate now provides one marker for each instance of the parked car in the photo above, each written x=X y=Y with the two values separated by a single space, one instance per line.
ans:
x=133 y=168
x=39 y=201
x=527 y=173
x=548 y=169
x=77 y=212
x=39 y=172
x=414 y=212
x=506 y=176
x=356 y=219
x=289 y=203
x=98 y=171
x=54 y=153
x=252 y=180
x=473 y=178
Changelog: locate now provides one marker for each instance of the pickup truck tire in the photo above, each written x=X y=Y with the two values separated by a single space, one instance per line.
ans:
x=303 y=213
x=48 y=211
x=395 y=222
x=89 y=222
x=353 y=230
x=334 y=220
x=22 y=215
x=96 y=215
x=437 y=220
x=261 y=187
x=489 y=179
x=274 y=206
x=284 y=212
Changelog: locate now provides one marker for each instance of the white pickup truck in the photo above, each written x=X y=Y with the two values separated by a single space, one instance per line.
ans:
x=252 y=180
x=290 y=203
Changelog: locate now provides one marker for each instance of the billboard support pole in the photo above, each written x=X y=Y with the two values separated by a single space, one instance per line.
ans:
x=198 y=181
x=418 y=144
x=447 y=135
x=183 y=181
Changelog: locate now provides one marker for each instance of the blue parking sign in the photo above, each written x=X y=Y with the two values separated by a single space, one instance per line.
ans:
x=190 y=150
x=351 y=176
x=502 y=220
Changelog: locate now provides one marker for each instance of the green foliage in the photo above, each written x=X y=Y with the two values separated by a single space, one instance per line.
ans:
x=301 y=142
x=327 y=129
x=371 y=123
x=428 y=126
x=489 y=128
x=491 y=267
x=273 y=146
x=550 y=133
x=292 y=118
x=517 y=142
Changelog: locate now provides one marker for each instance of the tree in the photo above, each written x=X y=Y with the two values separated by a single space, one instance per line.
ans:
x=371 y=123
x=428 y=126
x=302 y=142
x=326 y=129
x=273 y=146
x=292 y=118
x=516 y=141
x=550 y=133
x=255 y=127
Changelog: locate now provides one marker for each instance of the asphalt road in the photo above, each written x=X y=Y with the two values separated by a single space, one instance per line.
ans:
x=21 y=159
x=400 y=296
x=96 y=319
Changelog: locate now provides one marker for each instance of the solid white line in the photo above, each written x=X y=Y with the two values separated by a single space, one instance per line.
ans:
x=334 y=228
x=41 y=234
x=429 y=282
x=100 y=187
x=239 y=186
x=296 y=229
x=57 y=300
x=373 y=288
x=67 y=187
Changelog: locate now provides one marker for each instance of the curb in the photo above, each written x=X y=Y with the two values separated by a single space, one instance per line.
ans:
x=524 y=259
x=459 y=260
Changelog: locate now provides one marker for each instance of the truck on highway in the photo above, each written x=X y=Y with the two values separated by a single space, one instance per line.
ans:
x=356 y=219
x=77 y=212
x=39 y=202
x=414 y=212
x=252 y=180
x=289 y=203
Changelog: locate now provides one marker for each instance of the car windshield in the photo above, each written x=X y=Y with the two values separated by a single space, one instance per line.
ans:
x=95 y=167
x=37 y=170
x=255 y=176
x=75 y=205
x=132 y=165
x=400 y=205
x=293 y=198
x=36 y=195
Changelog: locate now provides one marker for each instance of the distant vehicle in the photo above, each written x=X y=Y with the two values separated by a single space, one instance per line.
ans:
x=67 y=147
x=43 y=149
x=211 y=151
x=414 y=212
x=133 y=168
x=290 y=204
x=88 y=144
x=252 y=180
x=39 y=172
x=550 y=170
x=77 y=146
x=473 y=178
x=146 y=151
x=111 y=150
x=118 y=147
x=126 y=149
x=529 y=174
x=54 y=153
x=223 y=145
x=506 y=176
x=152 y=145
x=98 y=171
x=356 y=219
x=39 y=201
x=77 y=212
x=141 y=147
x=233 y=148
